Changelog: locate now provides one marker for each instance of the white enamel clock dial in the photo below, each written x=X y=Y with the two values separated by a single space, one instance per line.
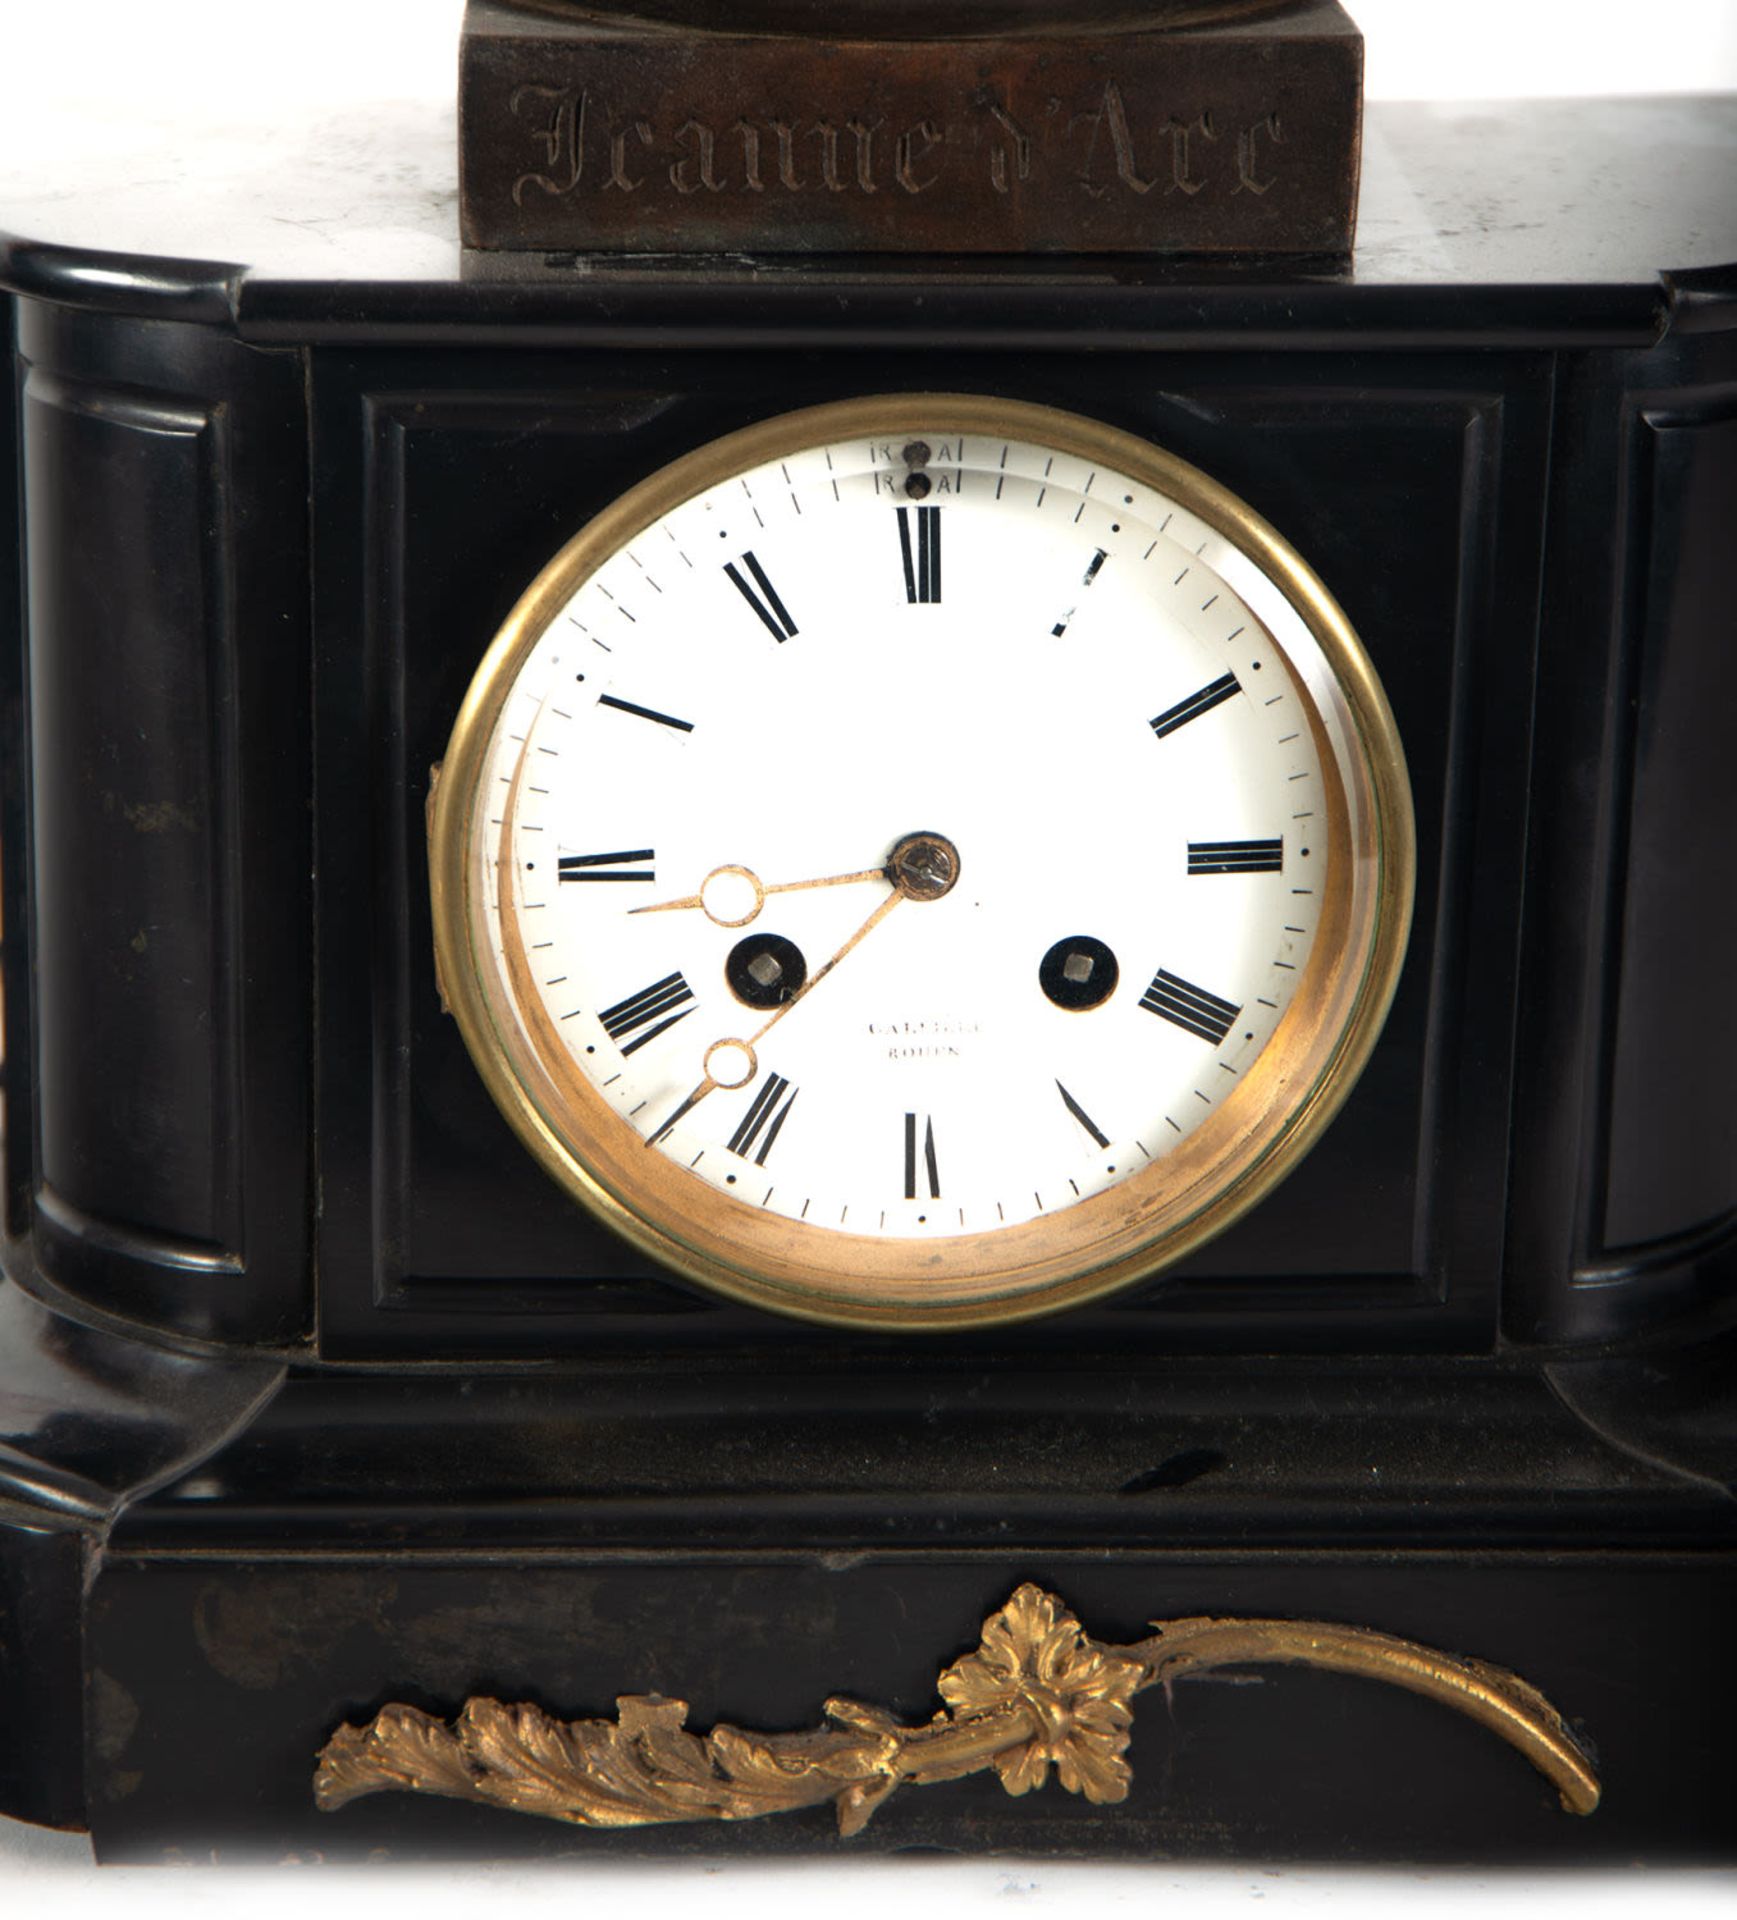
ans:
x=922 y=861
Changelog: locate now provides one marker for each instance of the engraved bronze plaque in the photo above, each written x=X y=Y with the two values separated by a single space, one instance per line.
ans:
x=966 y=126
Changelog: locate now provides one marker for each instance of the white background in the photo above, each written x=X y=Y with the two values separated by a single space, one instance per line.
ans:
x=256 y=52
x=263 y=52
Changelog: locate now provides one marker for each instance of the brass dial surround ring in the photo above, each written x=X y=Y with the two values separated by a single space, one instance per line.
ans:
x=1209 y=1179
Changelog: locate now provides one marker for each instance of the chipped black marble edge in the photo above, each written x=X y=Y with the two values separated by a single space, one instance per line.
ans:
x=1703 y=299
x=142 y=286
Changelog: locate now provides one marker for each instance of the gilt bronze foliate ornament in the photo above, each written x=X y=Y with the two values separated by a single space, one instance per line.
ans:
x=1037 y=1694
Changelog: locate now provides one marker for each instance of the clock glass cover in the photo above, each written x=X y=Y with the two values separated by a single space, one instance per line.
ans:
x=922 y=861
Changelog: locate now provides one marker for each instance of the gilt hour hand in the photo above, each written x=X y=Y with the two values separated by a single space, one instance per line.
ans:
x=732 y=1063
x=729 y=1063
x=733 y=896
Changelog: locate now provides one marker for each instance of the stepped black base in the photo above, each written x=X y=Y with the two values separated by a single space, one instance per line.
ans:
x=339 y=1543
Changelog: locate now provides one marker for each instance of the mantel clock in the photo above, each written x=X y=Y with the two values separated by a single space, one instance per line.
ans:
x=904 y=902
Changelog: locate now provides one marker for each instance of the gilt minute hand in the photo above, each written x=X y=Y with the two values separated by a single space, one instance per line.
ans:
x=922 y=866
x=726 y=877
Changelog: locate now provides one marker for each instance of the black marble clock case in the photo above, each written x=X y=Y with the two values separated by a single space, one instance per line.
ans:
x=316 y=1394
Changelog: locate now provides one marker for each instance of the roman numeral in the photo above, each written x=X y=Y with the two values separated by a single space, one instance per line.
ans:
x=645 y=1008
x=766 y=1117
x=645 y=713
x=1189 y=1007
x=773 y=616
x=1092 y=572
x=923 y=565
x=1081 y=1115
x=1213 y=695
x=1236 y=856
x=928 y=1157
x=594 y=866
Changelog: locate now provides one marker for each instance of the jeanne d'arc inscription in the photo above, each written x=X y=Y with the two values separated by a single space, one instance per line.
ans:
x=583 y=144
x=1125 y=142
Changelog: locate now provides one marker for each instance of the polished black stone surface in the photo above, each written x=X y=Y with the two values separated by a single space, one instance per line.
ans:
x=313 y=1394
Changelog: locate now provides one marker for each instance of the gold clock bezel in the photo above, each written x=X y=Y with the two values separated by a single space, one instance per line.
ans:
x=1148 y=1220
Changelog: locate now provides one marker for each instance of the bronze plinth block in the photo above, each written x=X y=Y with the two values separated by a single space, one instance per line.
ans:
x=1217 y=127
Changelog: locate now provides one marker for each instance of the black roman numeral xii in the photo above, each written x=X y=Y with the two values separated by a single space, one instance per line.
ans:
x=922 y=556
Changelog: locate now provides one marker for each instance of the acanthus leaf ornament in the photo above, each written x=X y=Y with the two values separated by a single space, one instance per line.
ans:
x=1036 y=1657
x=1038 y=1692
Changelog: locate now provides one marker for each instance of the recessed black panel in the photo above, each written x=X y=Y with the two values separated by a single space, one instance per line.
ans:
x=457 y=477
x=1672 y=1150
x=135 y=1017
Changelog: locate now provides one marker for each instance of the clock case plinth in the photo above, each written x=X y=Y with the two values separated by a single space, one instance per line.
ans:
x=317 y=1396
x=1218 y=129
